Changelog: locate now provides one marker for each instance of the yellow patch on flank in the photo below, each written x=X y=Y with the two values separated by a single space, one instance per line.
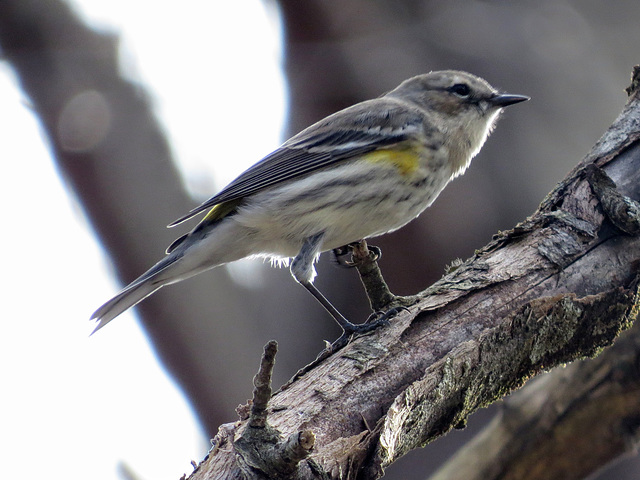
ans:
x=406 y=160
x=221 y=210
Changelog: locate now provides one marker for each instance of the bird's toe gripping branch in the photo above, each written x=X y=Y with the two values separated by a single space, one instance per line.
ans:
x=384 y=304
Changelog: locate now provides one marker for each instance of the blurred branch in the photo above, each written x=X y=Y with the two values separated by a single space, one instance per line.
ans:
x=111 y=149
x=559 y=286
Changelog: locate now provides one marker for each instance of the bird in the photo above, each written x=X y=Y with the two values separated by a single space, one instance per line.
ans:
x=359 y=173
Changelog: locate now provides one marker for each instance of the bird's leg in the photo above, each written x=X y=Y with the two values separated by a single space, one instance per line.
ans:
x=383 y=303
x=303 y=271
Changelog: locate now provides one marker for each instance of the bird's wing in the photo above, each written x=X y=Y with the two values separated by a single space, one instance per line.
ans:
x=339 y=137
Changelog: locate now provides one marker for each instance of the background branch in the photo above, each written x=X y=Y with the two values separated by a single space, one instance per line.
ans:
x=126 y=180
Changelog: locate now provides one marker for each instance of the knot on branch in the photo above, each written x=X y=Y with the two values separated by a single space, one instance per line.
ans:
x=634 y=88
x=622 y=211
x=261 y=449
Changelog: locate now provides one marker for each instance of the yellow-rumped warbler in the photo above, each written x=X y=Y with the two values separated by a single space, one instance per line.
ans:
x=366 y=170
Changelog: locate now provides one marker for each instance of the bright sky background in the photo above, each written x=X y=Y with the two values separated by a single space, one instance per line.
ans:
x=73 y=406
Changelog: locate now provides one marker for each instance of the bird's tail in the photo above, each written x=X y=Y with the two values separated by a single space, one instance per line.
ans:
x=135 y=292
x=200 y=250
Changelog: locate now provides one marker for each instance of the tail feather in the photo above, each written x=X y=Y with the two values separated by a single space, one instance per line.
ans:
x=134 y=293
x=126 y=299
x=204 y=248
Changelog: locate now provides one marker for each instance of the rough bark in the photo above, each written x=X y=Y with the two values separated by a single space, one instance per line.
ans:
x=558 y=287
x=565 y=424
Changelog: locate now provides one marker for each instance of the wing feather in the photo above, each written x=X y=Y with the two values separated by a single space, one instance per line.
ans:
x=339 y=137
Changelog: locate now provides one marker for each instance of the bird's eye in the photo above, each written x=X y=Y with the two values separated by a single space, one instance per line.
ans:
x=460 y=89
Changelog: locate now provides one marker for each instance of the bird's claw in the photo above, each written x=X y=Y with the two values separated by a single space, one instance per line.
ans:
x=375 y=321
x=345 y=250
x=340 y=252
x=377 y=252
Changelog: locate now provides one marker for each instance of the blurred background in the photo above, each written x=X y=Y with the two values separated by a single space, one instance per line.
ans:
x=117 y=117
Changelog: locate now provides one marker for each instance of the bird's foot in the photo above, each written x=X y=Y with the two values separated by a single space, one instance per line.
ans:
x=340 y=255
x=354 y=331
x=385 y=315
x=375 y=321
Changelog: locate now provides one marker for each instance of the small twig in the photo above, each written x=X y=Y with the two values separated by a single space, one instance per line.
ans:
x=365 y=260
x=262 y=386
x=261 y=447
x=297 y=447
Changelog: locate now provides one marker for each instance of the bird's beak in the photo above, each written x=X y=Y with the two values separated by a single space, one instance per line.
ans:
x=504 y=99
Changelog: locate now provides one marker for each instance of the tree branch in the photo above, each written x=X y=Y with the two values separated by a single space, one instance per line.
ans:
x=566 y=424
x=559 y=286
